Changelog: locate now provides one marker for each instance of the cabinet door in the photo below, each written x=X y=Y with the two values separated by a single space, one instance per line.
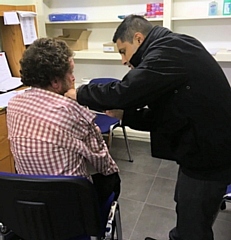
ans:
x=4 y=146
x=5 y=165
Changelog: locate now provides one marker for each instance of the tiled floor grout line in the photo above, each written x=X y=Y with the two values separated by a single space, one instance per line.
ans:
x=145 y=202
x=136 y=221
x=153 y=182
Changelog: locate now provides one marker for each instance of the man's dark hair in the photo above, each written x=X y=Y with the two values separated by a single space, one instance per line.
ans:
x=130 y=25
x=43 y=61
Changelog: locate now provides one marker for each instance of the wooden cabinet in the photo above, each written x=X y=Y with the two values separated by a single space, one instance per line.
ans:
x=11 y=38
x=12 y=44
x=6 y=159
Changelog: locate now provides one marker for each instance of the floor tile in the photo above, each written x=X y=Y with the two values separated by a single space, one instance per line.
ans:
x=135 y=186
x=119 y=151
x=146 y=201
x=168 y=169
x=142 y=164
x=141 y=146
x=130 y=212
x=162 y=193
x=154 y=222
x=222 y=230
x=225 y=214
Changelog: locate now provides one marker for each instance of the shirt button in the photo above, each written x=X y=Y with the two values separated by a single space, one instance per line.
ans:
x=175 y=91
x=188 y=87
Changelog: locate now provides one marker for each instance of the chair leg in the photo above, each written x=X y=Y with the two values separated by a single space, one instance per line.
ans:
x=110 y=138
x=223 y=205
x=127 y=144
x=118 y=224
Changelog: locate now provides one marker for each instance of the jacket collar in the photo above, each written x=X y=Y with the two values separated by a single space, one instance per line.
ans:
x=156 y=33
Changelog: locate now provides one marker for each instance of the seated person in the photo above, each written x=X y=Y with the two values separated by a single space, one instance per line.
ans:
x=51 y=134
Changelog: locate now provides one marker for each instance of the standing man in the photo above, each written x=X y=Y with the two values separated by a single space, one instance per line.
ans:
x=177 y=91
x=50 y=134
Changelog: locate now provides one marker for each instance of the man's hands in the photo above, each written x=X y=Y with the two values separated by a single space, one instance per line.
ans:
x=116 y=113
x=72 y=93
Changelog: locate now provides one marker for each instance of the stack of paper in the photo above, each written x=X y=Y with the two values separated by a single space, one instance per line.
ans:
x=7 y=82
x=5 y=97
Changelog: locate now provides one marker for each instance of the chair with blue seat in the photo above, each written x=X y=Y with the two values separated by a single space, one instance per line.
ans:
x=108 y=124
x=56 y=208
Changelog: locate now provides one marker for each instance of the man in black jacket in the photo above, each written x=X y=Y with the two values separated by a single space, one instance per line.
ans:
x=178 y=92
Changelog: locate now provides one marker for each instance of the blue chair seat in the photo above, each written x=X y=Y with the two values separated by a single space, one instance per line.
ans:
x=105 y=122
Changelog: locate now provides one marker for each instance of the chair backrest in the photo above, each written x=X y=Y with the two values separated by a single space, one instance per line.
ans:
x=49 y=207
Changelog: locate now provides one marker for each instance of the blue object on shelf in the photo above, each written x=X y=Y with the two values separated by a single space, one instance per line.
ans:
x=212 y=8
x=55 y=17
x=122 y=16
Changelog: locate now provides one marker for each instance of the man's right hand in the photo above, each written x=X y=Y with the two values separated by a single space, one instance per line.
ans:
x=116 y=113
x=71 y=93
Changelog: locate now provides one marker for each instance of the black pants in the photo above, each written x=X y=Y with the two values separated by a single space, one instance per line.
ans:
x=198 y=203
x=105 y=185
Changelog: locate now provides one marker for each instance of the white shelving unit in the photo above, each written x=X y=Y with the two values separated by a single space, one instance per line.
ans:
x=201 y=18
x=183 y=16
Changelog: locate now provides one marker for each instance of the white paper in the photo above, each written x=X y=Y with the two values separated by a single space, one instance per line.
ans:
x=4 y=67
x=26 y=14
x=27 y=26
x=10 y=18
x=10 y=83
x=5 y=97
x=7 y=82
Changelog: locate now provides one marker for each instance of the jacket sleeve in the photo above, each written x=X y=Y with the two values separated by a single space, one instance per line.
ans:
x=149 y=81
x=139 y=119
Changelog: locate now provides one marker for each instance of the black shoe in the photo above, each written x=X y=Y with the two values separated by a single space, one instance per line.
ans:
x=148 y=238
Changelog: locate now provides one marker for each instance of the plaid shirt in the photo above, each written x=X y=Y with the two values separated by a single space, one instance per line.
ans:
x=51 y=134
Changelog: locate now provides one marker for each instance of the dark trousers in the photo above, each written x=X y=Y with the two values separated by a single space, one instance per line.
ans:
x=197 y=205
x=105 y=185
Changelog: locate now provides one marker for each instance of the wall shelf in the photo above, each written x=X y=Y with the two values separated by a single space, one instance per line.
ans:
x=96 y=54
x=223 y=56
x=200 y=18
x=98 y=21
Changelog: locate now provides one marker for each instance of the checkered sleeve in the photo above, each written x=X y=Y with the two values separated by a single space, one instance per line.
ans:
x=98 y=154
x=94 y=148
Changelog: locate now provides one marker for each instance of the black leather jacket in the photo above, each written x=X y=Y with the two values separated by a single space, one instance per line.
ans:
x=179 y=93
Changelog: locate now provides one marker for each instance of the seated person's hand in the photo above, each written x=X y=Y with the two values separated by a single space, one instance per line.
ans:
x=116 y=113
x=71 y=93
x=97 y=128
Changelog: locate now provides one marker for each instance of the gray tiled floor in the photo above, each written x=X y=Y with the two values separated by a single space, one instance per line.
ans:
x=146 y=200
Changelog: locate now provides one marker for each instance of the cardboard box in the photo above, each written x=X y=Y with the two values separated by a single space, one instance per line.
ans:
x=76 y=39
x=110 y=47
